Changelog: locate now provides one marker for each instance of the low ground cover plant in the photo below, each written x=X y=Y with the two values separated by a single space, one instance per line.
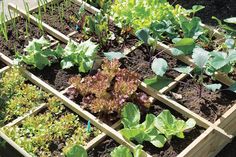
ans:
x=51 y=132
x=16 y=96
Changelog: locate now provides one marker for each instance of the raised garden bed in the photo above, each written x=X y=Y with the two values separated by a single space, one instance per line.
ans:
x=99 y=92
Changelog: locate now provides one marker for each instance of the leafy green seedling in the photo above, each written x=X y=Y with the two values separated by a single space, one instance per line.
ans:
x=81 y=55
x=38 y=55
x=156 y=130
x=123 y=151
x=77 y=151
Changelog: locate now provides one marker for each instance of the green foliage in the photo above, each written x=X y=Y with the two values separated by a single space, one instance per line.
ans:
x=38 y=55
x=3 y=24
x=156 y=130
x=36 y=133
x=159 y=66
x=77 y=151
x=140 y=14
x=81 y=55
x=169 y=126
x=183 y=46
x=123 y=151
x=114 y=55
x=17 y=97
x=228 y=29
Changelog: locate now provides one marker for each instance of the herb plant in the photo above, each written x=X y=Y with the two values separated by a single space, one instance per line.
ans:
x=155 y=129
x=3 y=25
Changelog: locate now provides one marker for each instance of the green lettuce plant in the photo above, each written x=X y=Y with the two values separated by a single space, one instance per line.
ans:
x=122 y=151
x=156 y=130
x=81 y=55
x=38 y=54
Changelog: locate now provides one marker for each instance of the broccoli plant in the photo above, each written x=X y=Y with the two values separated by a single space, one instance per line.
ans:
x=155 y=129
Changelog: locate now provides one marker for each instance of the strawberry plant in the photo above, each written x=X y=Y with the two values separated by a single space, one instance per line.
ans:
x=108 y=90
x=155 y=129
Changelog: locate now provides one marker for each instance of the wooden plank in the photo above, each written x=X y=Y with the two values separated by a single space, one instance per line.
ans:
x=87 y=6
x=173 y=84
x=100 y=137
x=228 y=121
x=13 y=144
x=208 y=144
x=4 y=69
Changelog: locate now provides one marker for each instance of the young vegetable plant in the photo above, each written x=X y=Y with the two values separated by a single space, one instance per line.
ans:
x=108 y=90
x=155 y=129
x=3 y=24
x=38 y=54
x=123 y=151
x=81 y=55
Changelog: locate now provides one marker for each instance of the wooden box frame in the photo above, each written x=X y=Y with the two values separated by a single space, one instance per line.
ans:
x=209 y=143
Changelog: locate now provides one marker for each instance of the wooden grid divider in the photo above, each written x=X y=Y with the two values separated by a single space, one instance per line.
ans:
x=211 y=128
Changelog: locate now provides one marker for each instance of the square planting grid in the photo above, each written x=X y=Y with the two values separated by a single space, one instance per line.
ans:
x=204 y=144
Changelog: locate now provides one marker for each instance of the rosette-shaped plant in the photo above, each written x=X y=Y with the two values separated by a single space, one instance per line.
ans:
x=108 y=89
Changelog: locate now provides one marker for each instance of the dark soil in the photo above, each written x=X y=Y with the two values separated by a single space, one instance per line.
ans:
x=8 y=151
x=221 y=9
x=140 y=61
x=211 y=105
x=55 y=76
x=53 y=17
x=15 y=43
x=2 y=64
x=103 y=149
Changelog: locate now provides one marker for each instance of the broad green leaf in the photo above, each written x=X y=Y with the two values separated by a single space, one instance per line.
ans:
x=197 y=8
x=184 y=69
x=77 y=151
x=40 y=61
x=185 y=45
x=177 y=52
x=121 y=151
x=130 y=115
x=143 y=35
x=138 y=151
x=168 y=125
x=191 y=28
x=158 y=82
x=131 y=133
x=156 y=138
x=190 y=123
x=149 y=122
x=231 y=20
x=230 y=43
x=213 y=87
x=159 y=66
x=200 y=57
x=114 y=55
x=66 y=63
x=218 y=60
x=232 y=88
